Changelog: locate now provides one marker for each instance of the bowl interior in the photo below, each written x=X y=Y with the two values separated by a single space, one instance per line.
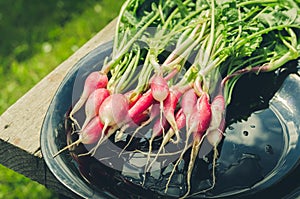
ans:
x=257 y=153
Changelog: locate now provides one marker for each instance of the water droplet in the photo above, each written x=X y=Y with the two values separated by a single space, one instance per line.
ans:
x=252 y=126
x=269 y=149
x=245 y=133
x=230 y=128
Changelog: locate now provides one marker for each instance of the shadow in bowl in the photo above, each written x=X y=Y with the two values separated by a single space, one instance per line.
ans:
x=258 y=155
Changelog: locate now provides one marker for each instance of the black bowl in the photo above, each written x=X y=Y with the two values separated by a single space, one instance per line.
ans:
x=258 y=156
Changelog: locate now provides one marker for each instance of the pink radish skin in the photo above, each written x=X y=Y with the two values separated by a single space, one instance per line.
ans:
x=188 y=102
x=160 y=91
x=112 y=112
x=169 y=106
x=203 y=116
x=93 y=81
x=214 y=133
x=199 y=123
x=132 y=99
x=180 y=119
x=93 y=104
x=136 y=122
x=159 y=88
x=154 y=111
x=89 y=135
x=142 y=104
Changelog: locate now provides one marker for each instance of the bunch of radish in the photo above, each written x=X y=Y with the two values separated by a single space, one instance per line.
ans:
x=173 y=69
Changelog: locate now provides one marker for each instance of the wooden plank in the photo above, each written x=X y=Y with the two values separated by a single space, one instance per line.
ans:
x=31 y=166
x=20 y=124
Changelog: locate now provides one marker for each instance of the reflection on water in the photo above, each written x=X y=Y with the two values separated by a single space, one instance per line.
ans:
x=260 y=134
x=250 y=151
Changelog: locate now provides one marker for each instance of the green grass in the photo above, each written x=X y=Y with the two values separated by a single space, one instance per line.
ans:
x=14 y=185
x=36 y=36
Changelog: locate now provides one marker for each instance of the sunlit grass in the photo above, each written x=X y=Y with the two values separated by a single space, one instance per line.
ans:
x=14 y=185
x=27 y=55
x=62 y=42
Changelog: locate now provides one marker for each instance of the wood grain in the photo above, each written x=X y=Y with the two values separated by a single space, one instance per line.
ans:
x=20 y=124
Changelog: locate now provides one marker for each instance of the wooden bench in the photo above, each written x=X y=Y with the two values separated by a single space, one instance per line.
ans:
x=20 y=124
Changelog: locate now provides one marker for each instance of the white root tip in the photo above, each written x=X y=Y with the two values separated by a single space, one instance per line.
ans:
x=67 y=147
x=74 y=121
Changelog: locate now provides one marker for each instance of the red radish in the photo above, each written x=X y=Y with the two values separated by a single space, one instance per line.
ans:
x=169 y=106
x=132 y=97
x=160 y=91
x=153 y=113
x=214 y=136
x=218 y=108
x=198 y=124
x=203 y=119
x=188 y=102
x=89 y=135
x=93 y=104
x=159 y=87
x=93 y=81
x=113 y=112
x=201 y=122
x=137 y=121
x=180 y=122
x=142 y=104
x=159 y=127
x=214 y=133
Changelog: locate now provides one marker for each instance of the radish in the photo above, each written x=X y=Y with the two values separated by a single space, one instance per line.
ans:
x=160 y=91
x=169 y=106
x=93 y=81
x=201 y=122
x=214 y=133
x=180 y=122
x=142 y=104
x=203 y=116
x=89 y=135
x=198 y=124
x=112 y=112
x=217 y=121
x=93 y=104
x=154 y=112
x=188 y=102
x=132 y=97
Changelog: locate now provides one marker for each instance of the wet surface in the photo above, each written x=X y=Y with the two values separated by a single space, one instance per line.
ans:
x=257 y=156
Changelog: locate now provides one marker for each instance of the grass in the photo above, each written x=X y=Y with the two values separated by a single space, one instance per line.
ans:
x=36 y=36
